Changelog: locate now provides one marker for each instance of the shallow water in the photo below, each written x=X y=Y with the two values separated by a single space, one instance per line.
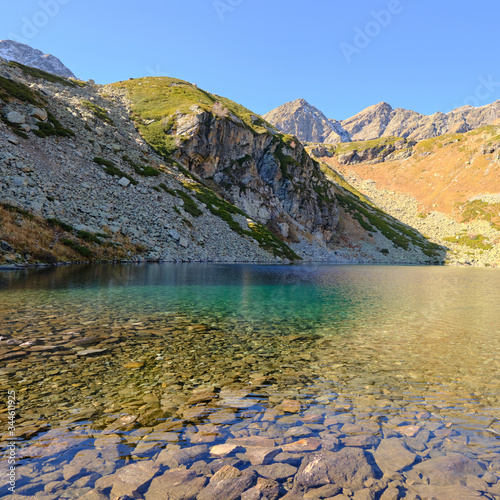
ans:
x=152 y=354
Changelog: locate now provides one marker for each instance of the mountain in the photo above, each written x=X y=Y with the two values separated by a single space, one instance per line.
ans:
x=157 y=169
x=24 y=54
x=307 y=123
x=380 y=120
x=447 y=187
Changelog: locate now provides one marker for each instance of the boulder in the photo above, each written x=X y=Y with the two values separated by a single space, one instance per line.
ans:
x=39 y=114
x=16 y=117
x=178 y=484
x=228 y=483
x=451 y=469
x=348 y=468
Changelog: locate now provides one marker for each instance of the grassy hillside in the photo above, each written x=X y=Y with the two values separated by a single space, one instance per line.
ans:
x=155 y=101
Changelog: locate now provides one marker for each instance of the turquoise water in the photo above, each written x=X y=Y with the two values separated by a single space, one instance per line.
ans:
x=378 y=342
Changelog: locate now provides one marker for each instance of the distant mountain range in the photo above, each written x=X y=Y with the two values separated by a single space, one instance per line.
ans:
x=309 y=124
x=24 y=54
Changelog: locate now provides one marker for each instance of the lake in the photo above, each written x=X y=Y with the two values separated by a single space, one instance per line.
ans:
x=210 y=381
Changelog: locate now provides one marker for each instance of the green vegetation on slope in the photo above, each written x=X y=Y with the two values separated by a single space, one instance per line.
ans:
x=155 y=102
x=476 y=242
x=38 y=73
x=99 y=112
x=481 y=210
x=363 y=145
x=9 y=89
x=112 y=169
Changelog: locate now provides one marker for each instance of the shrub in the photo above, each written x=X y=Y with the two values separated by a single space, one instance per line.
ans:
x=99 y=112
x=60 y=224
x=84 y=251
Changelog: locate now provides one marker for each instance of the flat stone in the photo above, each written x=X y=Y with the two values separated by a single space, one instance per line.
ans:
x=289 y=406
x=94 y=494
x=307 y=444
x=390 y=494
x=327 y=491
x=124 y=182
x=454 y=492
x=392 y=455
x=85 y=462
x=228 y=484
x=223 y=450
x=366 y=441
x=451 y=469
x=348 y=468
x=257 y=455
x=264 y=489
x=16 y=117
x=175 y=458
x=276 y=472
x=39 y=113
x=91 y=352
x=132 y=480
x=175 y=484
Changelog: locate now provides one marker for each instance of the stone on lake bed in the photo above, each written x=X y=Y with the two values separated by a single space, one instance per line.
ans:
x=134 y=364
x=349 y=468
x=393 y=456
x=131 y=480
x=289 y=406
x=223 y=450
x=307 y=444
x=276 y=472
x=257 y=455
x=228 y=484
x=451 y=469
x=454 y=492
x=264 y=489
x=176 y=458
x=176 y=483
x=91 y=352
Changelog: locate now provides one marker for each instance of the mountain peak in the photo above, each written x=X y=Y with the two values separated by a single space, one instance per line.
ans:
x=306 y=122
x=24 y=54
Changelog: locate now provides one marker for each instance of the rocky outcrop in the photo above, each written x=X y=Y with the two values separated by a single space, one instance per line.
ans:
x=261 y=174
x=307 y=123
x=24 y=54
x=379 y=120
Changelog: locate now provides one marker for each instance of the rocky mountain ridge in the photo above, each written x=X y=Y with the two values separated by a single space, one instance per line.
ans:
x=198 y=178
x=307 y=123
x=379 y=120
x=11 y=50
x=446 y=187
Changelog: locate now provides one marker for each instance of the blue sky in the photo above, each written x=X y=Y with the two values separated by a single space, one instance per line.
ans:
x=340 y=56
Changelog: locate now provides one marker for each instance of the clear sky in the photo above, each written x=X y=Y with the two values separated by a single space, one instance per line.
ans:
x=341 y=56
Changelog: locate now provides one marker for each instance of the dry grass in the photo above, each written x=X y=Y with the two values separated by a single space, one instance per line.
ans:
x=38 y=241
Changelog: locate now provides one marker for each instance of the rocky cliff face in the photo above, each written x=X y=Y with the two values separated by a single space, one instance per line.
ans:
x=24 y=54
x=307 y=123
x=264 y=173
x=380 y=120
